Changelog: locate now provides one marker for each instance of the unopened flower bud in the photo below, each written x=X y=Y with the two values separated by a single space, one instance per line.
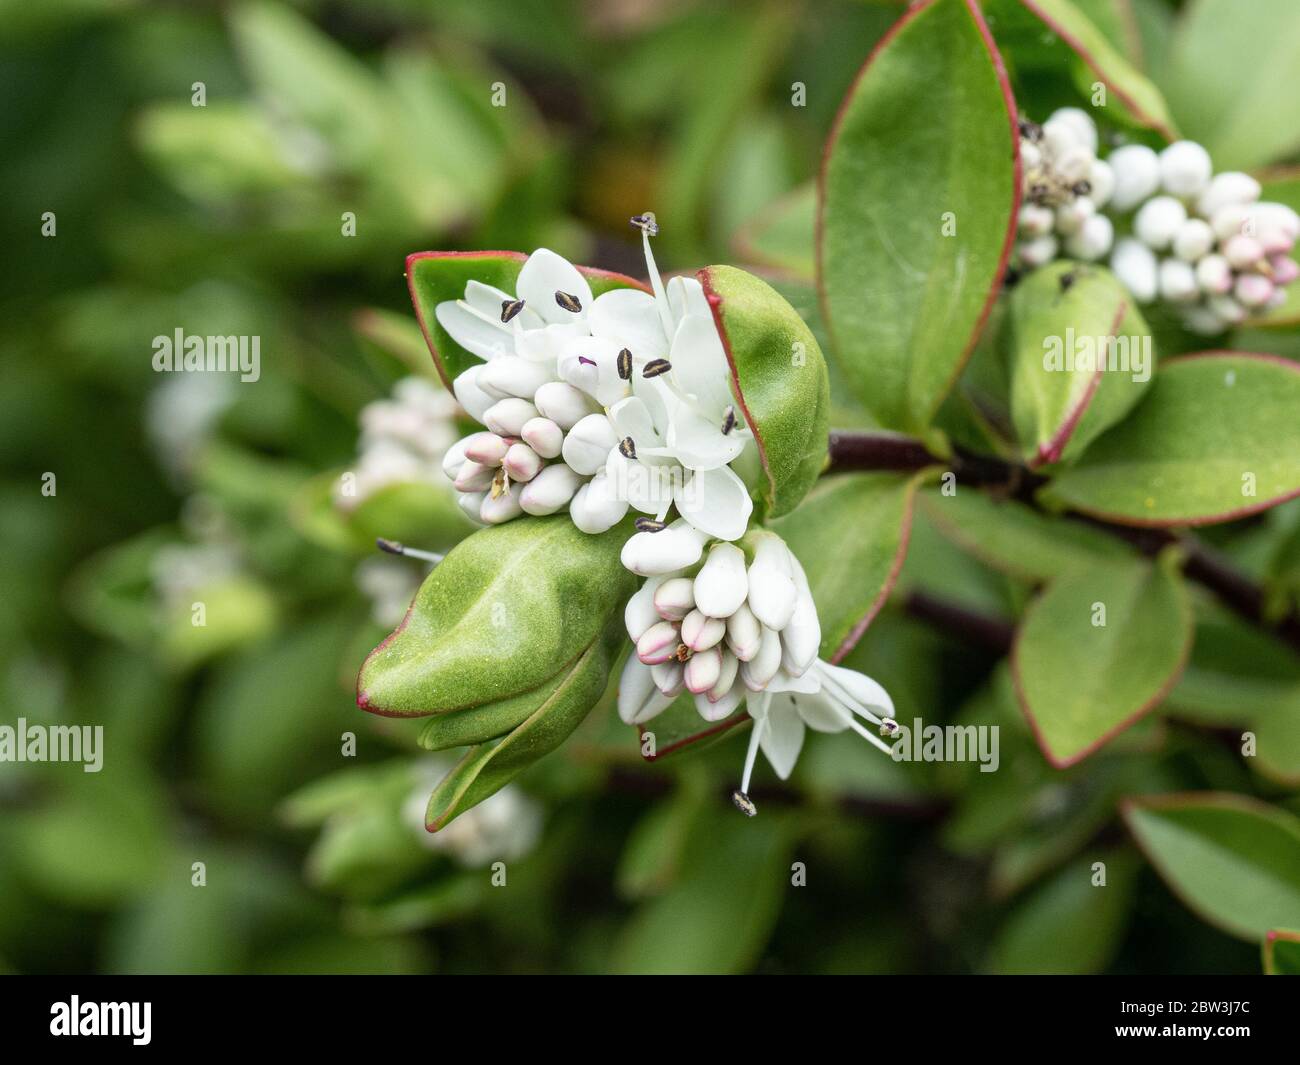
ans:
x=543 y=436
x=595 y=506
x=675 y=598
x=757 y=673
x=1178 y=281
x=1193 y=240
x=474 y=477
x=451 y=461
x=470 y=396
x=1185 y=169
x=1078 y=121
x=587 y=445
x=1071 y=216
x=1203 y=320
x=639 y=614
x=1093 y=240
x=658 y=643
x=721 y=584
x=550 y=491
x=563 y=404
x=1035 y=220
x=504 y=507
x=1214 y=275
x=487 y=449
x=639 y=698
x=1285 y=269
x=727 y=670
x=1158 y=220
x=511 y=375
x=1101 y=182
x=1037 y=252
x=700 y=632
x=1253 y=290
x=669 y=677
x=703 y=669
x=521 y=462
x=507 y=417
x=471 y=503
x=1227 y=310
x=1135 y=265
x=1242 y=252
x=744 y=633
x=1136 y=169
x=772 y=589
x=652 y=553
x=1230 y=187
x=1232 y=219
x=801 y=639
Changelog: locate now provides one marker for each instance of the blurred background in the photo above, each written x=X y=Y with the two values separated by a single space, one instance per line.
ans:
x=262 y=169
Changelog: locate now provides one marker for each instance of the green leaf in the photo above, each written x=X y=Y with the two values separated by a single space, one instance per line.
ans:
x=783 y=235
x=680 y=726
x=1134 y=96
x=1081 y=358
x=780 y=377
x=1216 y=438
x=925 y=140
x=1099 y=648
x=1068 y=925
x=1014 y=537
x=488 y=767
x=1233 y=860
x=507 y=610
x=1281 y=951
x=851 y=537
x=1231 y=79
x=435 y=276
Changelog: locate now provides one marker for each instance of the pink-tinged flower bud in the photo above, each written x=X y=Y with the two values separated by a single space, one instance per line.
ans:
x=744 y=633
x=1214 y=275
x=1285 y=269
x=596 y=507
x=1158 y=220
x=658 y=643
x=470 y=396
x=487 y=449
x=727 y=670
x=1137 y=175
x=550 y=491
x=1178 y=281
x=543 y=436
x=639 y=615
x=510 y=375
x=474 y=477
x=1253 y=290
x=522 y=462
x=1276 y=228
x=1037 y=252
x=1071 y=216
x=772 y=589
x=1242 y=252
x=721 y=584
x=757 y=673
x=1035 y=221
x=503 y=508
x=702 y=670
x=675 y=598
x=1185 y=169
x=471 y=503
x=563 y=404
x=1232 y=219
x=1101 y=179
x=639 y=698
x=674 y=548
x=1230 y=187
x=1193 y=240
x=1226 y=310
x=451 y=461
x=669 y=677
x=507 y=417
x=1135 y=265
x=588 y=444
x=700 y=632
x=723 y=706
x=1093 y=240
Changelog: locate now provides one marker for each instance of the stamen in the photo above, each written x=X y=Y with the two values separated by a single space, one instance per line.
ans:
x=649 y=227
x=683 y=653
x=728 y=420
x=866 y=735
x=392 y=547
x=744 y=803
x=888 y=726
x=650 y=525
x=838 y=690
x=646 y=223
x=750 y=755
x=627 y=447
x=656 y=367
x=483 y=317
x=509 y=308
x=586 y=361
x=569 y=303
x=500 y=483
x=625 y=364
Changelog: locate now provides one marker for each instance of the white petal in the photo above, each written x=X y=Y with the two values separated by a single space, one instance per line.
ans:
x=471 y=332
x=588 y=444
x=512 y=375
x=469 y=395
x=546 y=273
x=594 y=508
x=722 y=707
x=489 y=299
x=783 y=734
x=671 y=549
x=744 y=633
x=721 y=585
x=686 y=296
x=700 y=363
x=716 y=502
x=639 y=699
x=591 y=364
x=640 y=613
x=675 y=598
x=563 y=404
x=822 y=713
x=695 y=438
x=700 y=633
x=547 y=344
x=772 y=591
x=629 y=318
x=503 y=508
x=859 y=687
x=759 y=671
x=550 y=491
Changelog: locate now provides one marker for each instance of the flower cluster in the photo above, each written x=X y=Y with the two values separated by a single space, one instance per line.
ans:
x=1201 y=242
x=403 y=439
x=742 y=626
x=601 y=404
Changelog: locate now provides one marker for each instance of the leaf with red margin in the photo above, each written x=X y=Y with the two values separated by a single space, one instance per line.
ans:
x=1082 y=678
x=1183 y=455
x=1058 y=410
x=1281 y=952
x=779 y=377
x=1140 y=101
x=926 y=139
x=436 y=276
x=1232 y=860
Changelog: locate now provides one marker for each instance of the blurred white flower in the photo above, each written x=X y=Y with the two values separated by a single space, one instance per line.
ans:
x=502 y=828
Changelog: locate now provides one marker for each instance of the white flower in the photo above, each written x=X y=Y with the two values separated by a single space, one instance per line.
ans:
x=504 y=827
x=1136 y=169
x=1185 y=169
